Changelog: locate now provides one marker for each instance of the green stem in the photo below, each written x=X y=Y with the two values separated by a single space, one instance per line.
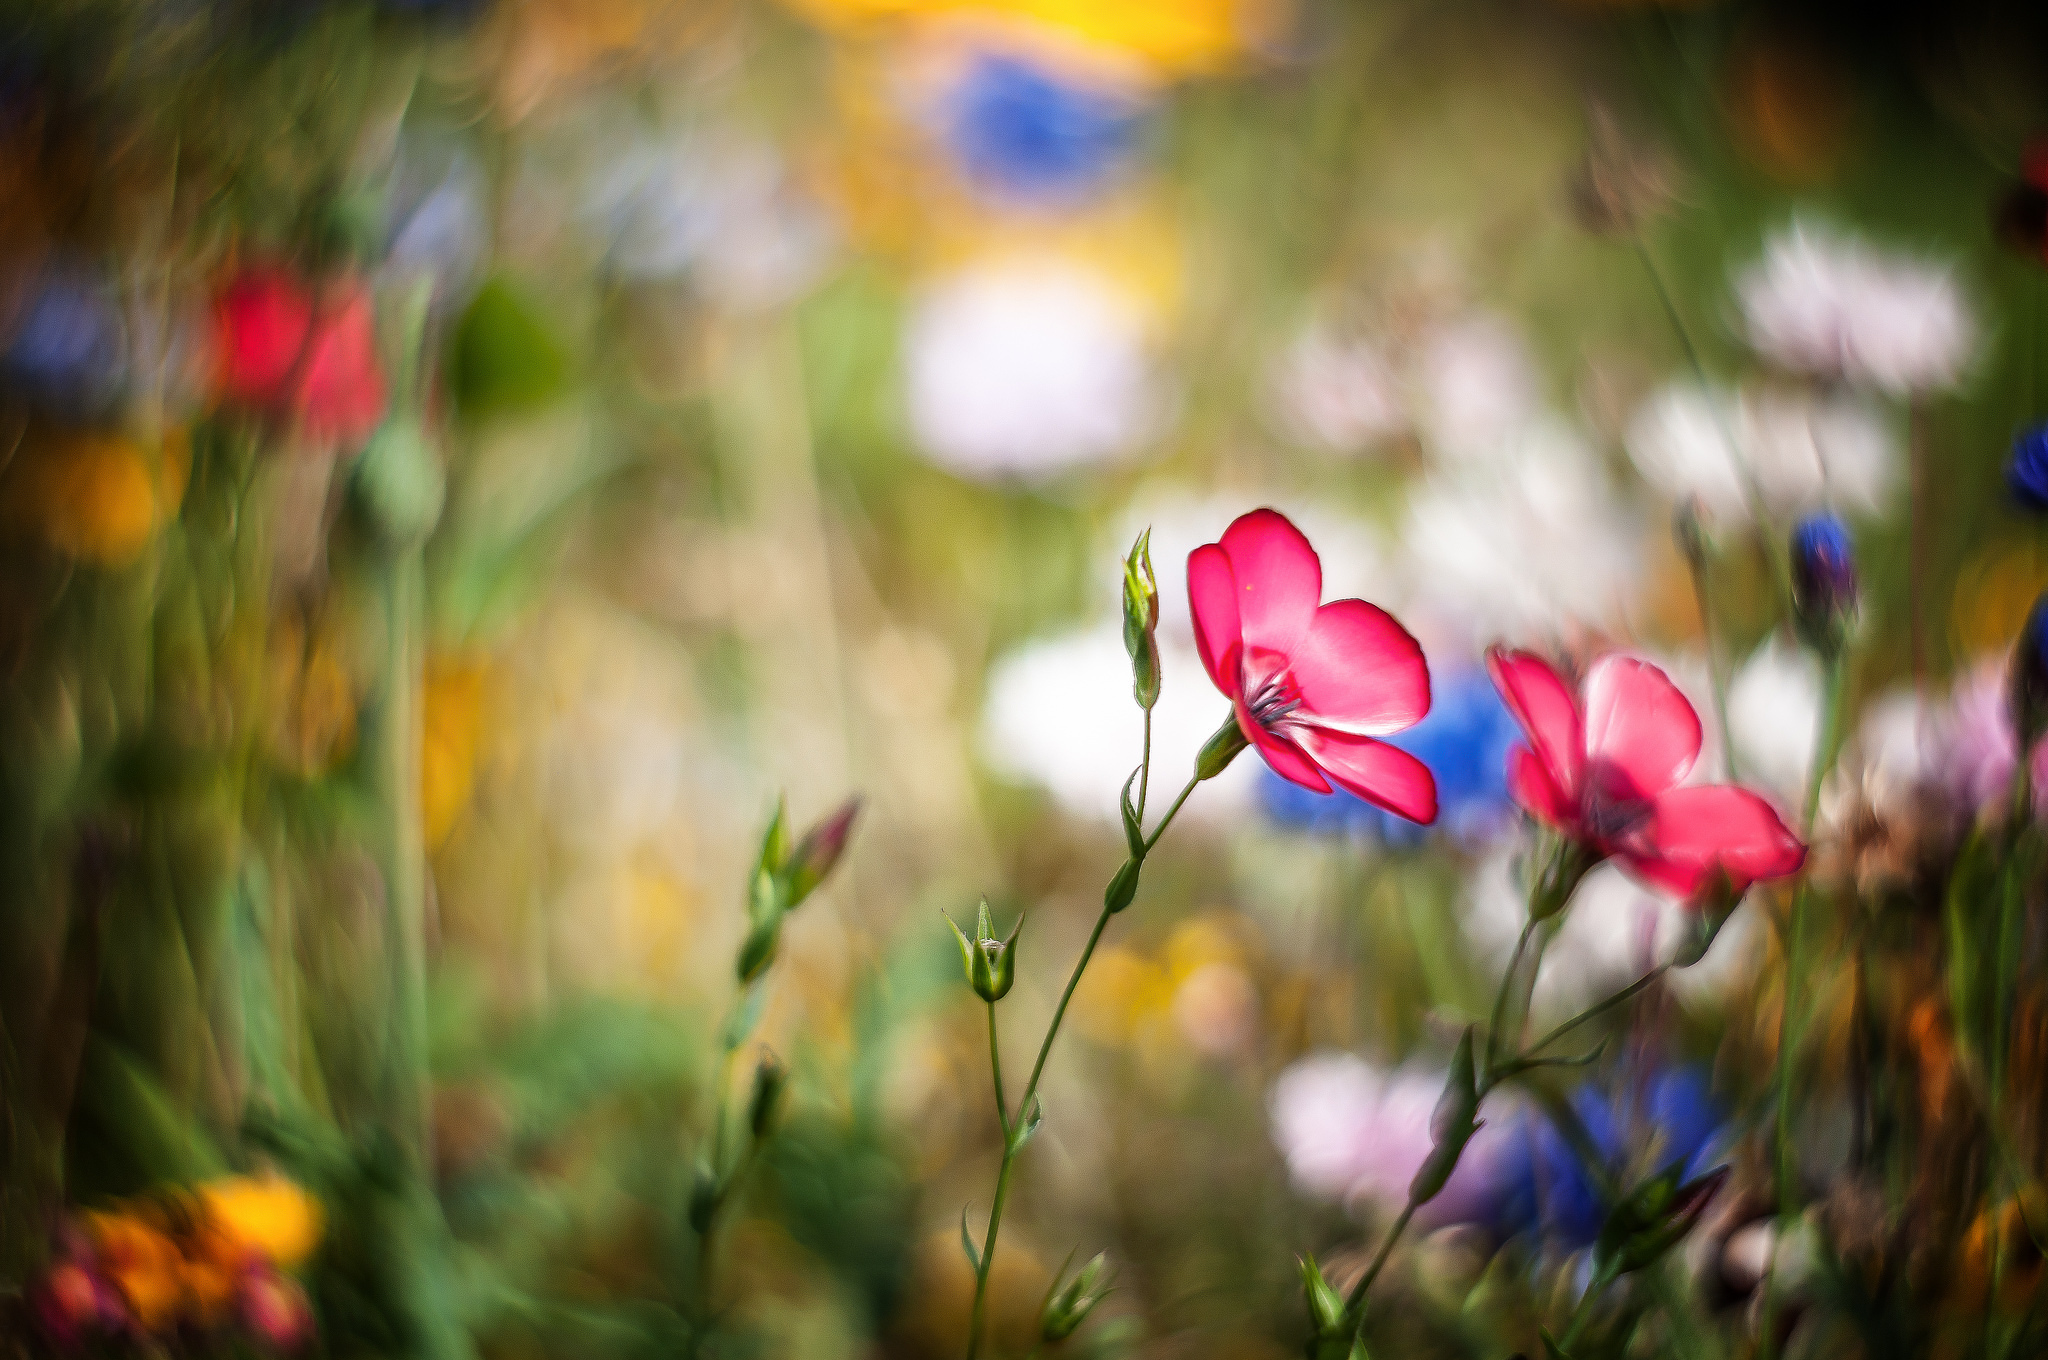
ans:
x=1498 y=1024
x=1355 y=1302
x=995 y=1065
x=1717 y=670
x=1598 y=1009
x=1011 y=1145
x=1145 y=768
x=1583 y=1314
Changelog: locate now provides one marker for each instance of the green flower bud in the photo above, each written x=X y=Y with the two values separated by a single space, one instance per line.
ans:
x=1220 y=749
x=399 y=483
x=1451 y=1125
x=757 y=951
x=990 y=962
x=1651 y=1219
x=1141 y=621
x=1123 y=887
x=1325 y=1304
x=704 y=1196
x=771 y=1079
x=1068 y=1305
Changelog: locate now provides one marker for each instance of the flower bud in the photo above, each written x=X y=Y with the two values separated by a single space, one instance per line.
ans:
x=2026 y=473
x=1141 y=621
x=70 y=1304
x=817 y=854
x=1823 y=582
x=1325 y=1304
x=1451 y=1125
x=1651 y=1220
x=1220 y=749
x=275 y=1311
x=771 y=1079
x=705 y=1193
x=1068 y=1305
x=2027 y=680
x=757 y=951
x=399 y=483
x=990 y=962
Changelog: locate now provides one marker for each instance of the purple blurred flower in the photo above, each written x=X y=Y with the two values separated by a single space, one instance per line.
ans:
x=65 y=351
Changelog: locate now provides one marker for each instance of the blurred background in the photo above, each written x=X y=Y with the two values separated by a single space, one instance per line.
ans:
x=461 y=462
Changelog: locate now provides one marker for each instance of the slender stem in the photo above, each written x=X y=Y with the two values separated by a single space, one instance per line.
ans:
x=1583 y=1314
x=1500 y=999
x=1599 y=1008
x=1355 y=1302
x=1145 y=769
x=1011 y=1145
x=988 y=1246
x=995 y=1065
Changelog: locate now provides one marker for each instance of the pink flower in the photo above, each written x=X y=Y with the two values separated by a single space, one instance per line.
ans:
x=1604 y=767
x=283 y=351
x=1312 y=684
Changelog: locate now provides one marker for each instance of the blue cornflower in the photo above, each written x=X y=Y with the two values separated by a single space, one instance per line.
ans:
x=1020 y=130
x=2026 y=475
x=1549 y=1189
x=1464 y=739
x=1824 y=582
x=65 y=352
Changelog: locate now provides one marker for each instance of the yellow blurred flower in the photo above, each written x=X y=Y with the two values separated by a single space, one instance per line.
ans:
x=144 y=1264
x=1121 y=989
x=1994 y=591
x=1179 y=37
x=101 y=497
x=451 y=731
x=266 y=1215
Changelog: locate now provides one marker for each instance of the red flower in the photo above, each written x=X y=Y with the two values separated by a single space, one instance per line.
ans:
x=281 y=351
x=1604 y=768
x=1312 y=685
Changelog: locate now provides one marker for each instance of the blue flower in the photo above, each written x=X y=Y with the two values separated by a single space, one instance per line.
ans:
x=1464 y=739
x=2026 y=475
x=1549 y=1189
x=1020 y=130
x=65 y=352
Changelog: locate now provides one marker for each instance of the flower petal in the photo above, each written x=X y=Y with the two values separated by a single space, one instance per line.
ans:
x=1383 y=775
x=1212 y=598
x=1360 y=671
x=1692 y=831
x=1287 y=759
x=1535 y=792
x=1279 y=578
x=1543 y=704
x=1638 y=726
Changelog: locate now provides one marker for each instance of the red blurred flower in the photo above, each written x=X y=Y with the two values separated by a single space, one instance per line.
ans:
x=275 y=1311
x=1603 y=767
x=1312 y=684
x=283 y=350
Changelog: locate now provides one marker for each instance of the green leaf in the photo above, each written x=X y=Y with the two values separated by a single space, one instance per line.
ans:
x=1134 y=833
x=967 y=1244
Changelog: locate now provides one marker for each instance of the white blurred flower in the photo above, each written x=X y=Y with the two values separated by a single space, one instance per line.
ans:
x=1527 y=546
x=1802 y=453
x=1059 y=714
x=1027 y=367
x=1774 y=705
x=1350 y=1133
x=1824 y=302
x=1476 y=390
x=719 y=207
x=1217 y=1009
x=1336 y=394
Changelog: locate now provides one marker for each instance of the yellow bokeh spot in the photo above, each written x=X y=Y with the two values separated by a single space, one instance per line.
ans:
x=101 y=497
x=451 y=731
x=1120 y=990
x=267 y=1216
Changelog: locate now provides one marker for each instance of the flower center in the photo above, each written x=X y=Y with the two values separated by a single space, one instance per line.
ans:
x=1614 y=807
x=1272 y=699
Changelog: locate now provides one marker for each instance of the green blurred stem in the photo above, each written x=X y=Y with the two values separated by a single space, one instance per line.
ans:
x=1011 y=1144
x=407 y=1081
x=1826 y=740
x=1145 y=768
x=1583 y=1314
x=2011 y=925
